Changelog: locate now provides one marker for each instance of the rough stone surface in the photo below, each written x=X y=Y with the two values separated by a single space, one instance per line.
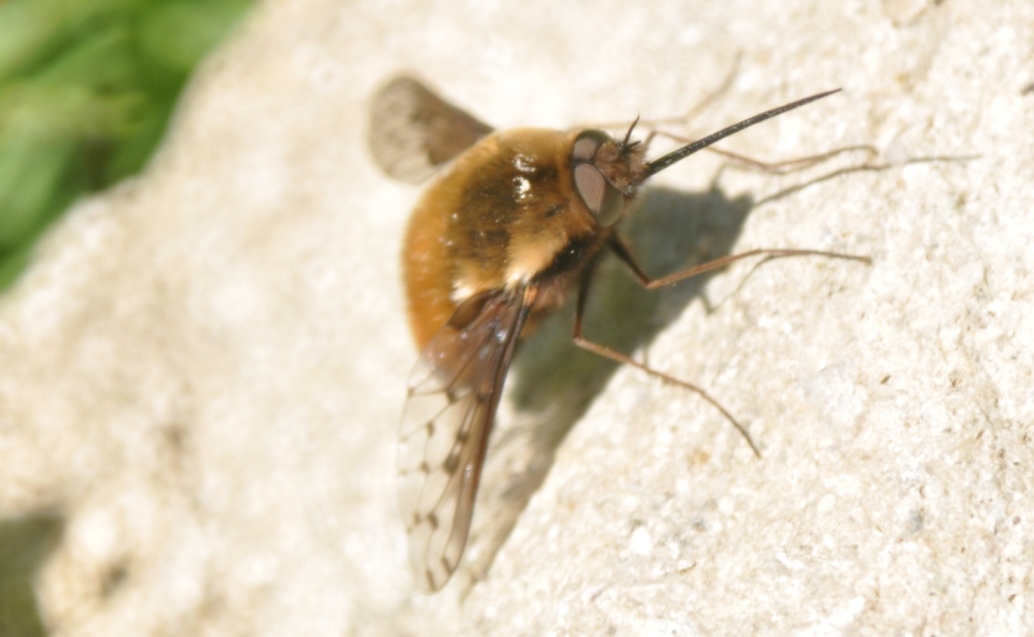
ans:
x=203 y=371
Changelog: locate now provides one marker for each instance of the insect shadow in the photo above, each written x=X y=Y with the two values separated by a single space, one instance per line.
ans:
x=553 y=382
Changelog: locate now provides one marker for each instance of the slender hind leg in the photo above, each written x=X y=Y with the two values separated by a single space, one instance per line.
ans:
x=623 y=252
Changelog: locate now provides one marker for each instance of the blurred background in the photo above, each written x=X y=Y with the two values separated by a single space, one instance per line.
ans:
x=86 y=91
x=87 y=88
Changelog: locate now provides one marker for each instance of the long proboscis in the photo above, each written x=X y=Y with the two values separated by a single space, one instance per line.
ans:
x=674 y=156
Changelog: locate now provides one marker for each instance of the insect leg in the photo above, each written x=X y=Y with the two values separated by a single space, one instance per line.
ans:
x=691 y=112
x=780 y=167
x=614 y=355
x=624 y=252
x=787 y=166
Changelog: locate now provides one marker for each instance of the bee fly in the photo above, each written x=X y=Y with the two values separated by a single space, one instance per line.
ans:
x=514 y=223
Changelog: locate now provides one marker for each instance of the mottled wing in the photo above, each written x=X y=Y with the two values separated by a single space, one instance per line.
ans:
x=453 y=394
x=413 y=131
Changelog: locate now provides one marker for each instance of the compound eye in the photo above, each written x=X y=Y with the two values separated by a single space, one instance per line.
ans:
x=602 y=199
x=586 y=145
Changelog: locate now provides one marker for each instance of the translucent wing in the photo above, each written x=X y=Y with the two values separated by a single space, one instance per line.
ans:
x=453 y=394
x=413 y=131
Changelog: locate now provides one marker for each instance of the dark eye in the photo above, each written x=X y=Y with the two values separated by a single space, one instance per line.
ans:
x=599 y=195
x=586 y=145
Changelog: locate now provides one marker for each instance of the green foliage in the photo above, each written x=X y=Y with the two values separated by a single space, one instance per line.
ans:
x=86 y=90
x=25 y=543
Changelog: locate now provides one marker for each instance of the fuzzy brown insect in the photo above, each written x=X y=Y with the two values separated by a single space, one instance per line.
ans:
x=514 y=223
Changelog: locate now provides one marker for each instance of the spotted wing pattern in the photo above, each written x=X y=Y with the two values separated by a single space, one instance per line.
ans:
x=453 y=394
x=413 y=132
